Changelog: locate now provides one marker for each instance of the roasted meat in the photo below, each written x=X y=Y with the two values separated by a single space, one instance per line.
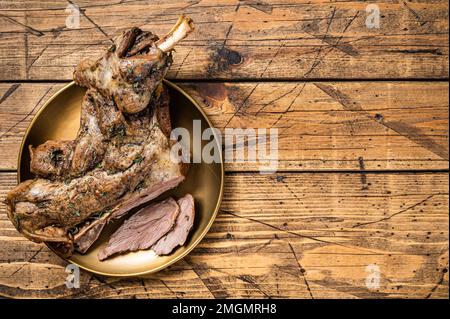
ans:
x=100 y=121
x=120 y=158
x=178 y=235
x=133 y=66
x=142 y=229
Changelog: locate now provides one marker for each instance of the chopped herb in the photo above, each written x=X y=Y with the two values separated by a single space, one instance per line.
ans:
x=138 y=159
x=99 y=165
x=76 y=212
x=104 y=193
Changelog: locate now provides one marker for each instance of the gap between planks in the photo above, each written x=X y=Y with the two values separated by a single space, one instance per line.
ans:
x=255 y=80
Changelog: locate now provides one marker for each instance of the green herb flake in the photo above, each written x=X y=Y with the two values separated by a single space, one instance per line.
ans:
x=138 y=159
x=76 y=212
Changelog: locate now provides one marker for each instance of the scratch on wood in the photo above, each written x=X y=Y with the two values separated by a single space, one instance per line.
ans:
x=242 y=105
x=419 y=51
x=170 y=289
x=29 y=29
x=271 y=60
x=411 y=133
x=27 y=262
x=250 y=280
x=276 y=99
x=83 y=12
x=182 y=62
x=106 y=283
x=259 y=5
x=317 y=61
x=9 y=91
x=291 y=232
x=416 y=136
x=302 y=271
x=395 y=214
x=289 y=106
x=28 y=114
x=415 y=14
x=440 y=282
x=208 y=282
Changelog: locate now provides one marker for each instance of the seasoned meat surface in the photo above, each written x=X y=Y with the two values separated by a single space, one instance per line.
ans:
x=129 y=72
x=120 y=158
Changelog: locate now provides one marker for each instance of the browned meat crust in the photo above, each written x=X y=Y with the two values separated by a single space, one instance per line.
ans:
x=120 y=158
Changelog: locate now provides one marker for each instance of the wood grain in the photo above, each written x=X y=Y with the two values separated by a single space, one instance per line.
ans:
x=313 y=238
x=363 y=163
x=236 y=39
x=321 y=125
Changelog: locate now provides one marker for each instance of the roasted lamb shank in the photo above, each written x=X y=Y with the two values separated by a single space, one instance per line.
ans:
x=120 y=158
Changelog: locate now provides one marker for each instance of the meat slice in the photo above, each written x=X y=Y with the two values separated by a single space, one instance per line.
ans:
x=178 y=235
x=88 y=234
x=143 y=229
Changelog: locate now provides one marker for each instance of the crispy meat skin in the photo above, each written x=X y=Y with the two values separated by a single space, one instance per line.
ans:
x=129 y=72
x=46 y=210
x=56 y=159
x=120 y=158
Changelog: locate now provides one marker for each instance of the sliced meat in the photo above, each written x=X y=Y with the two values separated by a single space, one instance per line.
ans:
x=85 y=240
x=88 y=234
x=178 y=235
x=143 y=229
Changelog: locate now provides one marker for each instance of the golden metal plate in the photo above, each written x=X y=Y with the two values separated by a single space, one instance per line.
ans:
x=59 y=119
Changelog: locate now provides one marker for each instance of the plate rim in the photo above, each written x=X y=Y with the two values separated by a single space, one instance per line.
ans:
x=188 y=249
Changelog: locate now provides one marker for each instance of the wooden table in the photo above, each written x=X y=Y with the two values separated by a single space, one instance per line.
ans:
x=362 y=115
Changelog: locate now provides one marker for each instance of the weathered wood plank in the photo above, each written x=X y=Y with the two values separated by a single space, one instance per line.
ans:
x=314 y=237
x=236 y=39
x=321 y=125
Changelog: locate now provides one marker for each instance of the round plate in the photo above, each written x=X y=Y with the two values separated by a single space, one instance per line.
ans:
x=59 y=119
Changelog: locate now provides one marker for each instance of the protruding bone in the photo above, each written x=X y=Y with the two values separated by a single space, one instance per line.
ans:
x=180 y=30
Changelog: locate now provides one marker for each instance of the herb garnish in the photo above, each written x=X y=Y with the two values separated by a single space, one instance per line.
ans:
x=75 y=212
